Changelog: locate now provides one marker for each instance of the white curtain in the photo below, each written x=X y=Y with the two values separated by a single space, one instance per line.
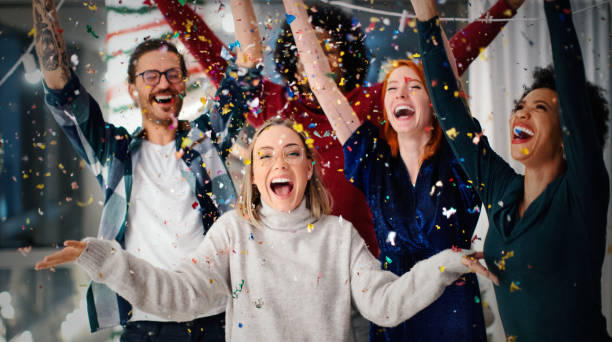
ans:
x=496 y=80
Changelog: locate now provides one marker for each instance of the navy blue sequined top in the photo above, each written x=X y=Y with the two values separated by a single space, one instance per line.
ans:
x=413 y=223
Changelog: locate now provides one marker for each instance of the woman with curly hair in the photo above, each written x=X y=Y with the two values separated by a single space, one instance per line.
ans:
x=547 y=228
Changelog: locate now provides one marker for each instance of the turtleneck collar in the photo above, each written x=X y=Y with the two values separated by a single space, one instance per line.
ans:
x=297 y=219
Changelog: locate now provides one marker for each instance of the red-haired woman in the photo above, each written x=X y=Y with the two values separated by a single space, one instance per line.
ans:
x=421 y=200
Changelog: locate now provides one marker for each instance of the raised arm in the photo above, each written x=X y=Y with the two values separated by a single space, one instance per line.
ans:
x=50 y=46
x=201 y=41
x=75 y=111
x=489 y=172
x=585 y=164
x=250 y=51
x=318 y=72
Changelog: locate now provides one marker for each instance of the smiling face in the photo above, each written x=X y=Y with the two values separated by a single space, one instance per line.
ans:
x=281 y=169
x=535 y=129
x=406 y=102
x=161 y=102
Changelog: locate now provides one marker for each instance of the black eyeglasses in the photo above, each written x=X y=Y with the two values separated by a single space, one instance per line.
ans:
x=152 y=77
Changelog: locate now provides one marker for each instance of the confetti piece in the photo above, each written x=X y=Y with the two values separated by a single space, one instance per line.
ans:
x=442 y=268
x=298 y=127
x=182 y=2
x=233 y=45
x=32 y=32
x=84 y=204
x=194 y=205
x=238 y=289
x=90 y=30
x=310 y=227
x=452 y=133
x=501 y=265
x=388 y=260
x=476 y=299
x=290 y=18
x=226 y=54
x=185 y=142
x=391 y=238
x=448 y=213
x=247 y=162
x=514 y=286
x=524 y=151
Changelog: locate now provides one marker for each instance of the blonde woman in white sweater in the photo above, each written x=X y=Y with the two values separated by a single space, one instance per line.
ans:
x=291 y=271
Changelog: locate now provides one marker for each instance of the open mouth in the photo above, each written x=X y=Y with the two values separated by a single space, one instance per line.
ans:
x=521 y=134
x=404 y=112
x=281 y=187
x=163 y=99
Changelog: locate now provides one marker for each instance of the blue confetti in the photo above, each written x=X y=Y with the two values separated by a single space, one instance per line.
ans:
x=233 y=45
x=290 y=18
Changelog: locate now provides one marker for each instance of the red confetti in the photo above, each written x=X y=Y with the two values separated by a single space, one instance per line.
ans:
x=194 y=205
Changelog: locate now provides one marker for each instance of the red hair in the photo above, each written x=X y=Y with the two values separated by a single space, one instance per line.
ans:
x=390 y=134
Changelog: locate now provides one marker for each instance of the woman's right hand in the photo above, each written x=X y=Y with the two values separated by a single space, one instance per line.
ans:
x=72 y=250
x=471 y=261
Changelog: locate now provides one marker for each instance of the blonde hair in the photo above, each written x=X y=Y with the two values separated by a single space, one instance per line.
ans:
x=318 y=200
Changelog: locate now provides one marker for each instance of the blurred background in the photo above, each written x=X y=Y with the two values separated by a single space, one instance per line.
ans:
x=47 y=195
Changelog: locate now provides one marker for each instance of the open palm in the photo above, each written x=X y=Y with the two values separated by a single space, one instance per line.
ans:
x=72 y=250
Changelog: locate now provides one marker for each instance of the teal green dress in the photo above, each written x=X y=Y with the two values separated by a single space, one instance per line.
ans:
x=549 y=261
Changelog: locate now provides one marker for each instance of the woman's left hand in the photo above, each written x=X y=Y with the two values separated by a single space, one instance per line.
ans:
x=72 y=250
x=471 y=261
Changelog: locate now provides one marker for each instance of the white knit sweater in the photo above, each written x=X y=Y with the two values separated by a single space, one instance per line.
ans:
x=293 y=280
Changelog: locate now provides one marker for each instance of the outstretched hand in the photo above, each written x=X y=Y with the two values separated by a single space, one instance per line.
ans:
x=471 y=261
x=72 y=250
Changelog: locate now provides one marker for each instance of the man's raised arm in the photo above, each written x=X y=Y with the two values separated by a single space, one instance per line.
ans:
x=50 y=46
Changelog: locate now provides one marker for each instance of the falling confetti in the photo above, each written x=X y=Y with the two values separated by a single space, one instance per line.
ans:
x=290 y=18
x=90 y=30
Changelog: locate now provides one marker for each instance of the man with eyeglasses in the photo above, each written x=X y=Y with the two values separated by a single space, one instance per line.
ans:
x=165 y=184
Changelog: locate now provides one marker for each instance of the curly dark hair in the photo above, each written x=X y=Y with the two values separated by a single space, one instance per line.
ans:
x=148 y=46
x=349 y=37
x=545 y=78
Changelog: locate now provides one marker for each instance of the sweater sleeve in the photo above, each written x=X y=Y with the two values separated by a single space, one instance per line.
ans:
x=386 y=299
x=489 y=172
x=585 y=164
x=201 y=41
x=467 y=43
x=199 y=285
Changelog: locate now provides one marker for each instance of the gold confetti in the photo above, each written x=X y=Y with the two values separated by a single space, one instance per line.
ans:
x=310 y=227
x=524 y=151
x=514 y=287
x=452 y=133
